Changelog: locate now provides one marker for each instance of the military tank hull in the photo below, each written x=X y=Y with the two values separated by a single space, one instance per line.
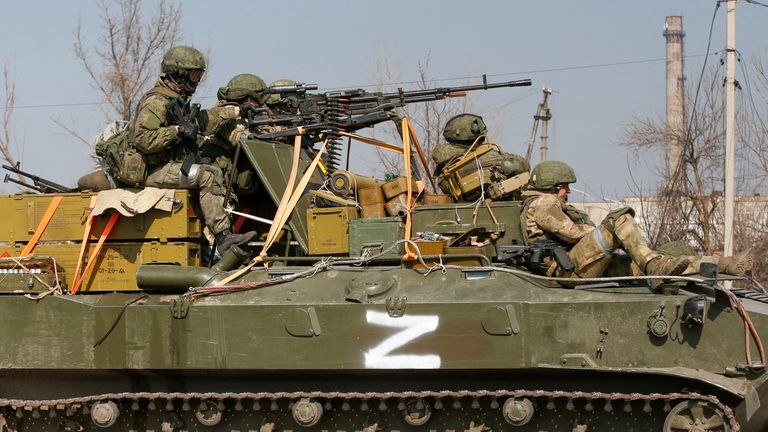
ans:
x=381 y=348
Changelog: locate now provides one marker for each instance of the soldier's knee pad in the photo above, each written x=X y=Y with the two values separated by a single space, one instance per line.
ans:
x=204 y=176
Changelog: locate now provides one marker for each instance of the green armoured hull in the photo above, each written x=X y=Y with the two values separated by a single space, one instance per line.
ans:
x=465 y=340
x=377 y=332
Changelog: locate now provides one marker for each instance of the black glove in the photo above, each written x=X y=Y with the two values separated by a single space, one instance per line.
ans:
x=188 y=130
x=249 y=110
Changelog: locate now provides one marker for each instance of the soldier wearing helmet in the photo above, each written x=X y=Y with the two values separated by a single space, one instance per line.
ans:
x=168 y=138
x=546 y=215
x=283 y=103
x=466 y=136
x=242 y=98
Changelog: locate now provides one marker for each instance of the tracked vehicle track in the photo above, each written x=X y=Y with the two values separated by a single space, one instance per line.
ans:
x=479 y=410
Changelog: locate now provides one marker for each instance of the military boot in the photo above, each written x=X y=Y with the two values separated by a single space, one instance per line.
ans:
x=737 y=265
x=667 y=266
x=225 y=240
x=664 y=265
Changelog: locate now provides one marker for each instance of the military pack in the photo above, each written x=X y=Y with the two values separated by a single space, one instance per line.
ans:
x=120 y=158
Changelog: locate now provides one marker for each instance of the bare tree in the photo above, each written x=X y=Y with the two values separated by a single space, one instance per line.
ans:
x=126 y=55
x=8 y=103
x=688 y=205
x=6 y=137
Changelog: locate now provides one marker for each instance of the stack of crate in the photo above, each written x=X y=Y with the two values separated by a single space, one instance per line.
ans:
x=154 y=236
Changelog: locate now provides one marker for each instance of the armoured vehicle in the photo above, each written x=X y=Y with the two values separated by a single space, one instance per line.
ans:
x=360 y=314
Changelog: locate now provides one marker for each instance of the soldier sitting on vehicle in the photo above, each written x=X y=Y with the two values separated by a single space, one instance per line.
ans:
x=546 y=216
x=283 y=103
x=244 y=94
x=468 y=165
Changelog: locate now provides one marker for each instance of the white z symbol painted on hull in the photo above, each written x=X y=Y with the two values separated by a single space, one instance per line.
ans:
x=413 y=326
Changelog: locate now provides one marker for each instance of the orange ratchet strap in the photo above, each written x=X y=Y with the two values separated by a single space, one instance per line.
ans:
x=42 y=225
x=86 y=236
x=96 y=250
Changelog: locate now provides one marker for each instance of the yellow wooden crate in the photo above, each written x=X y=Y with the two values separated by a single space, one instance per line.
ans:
x=22 y=214
x=117 y=263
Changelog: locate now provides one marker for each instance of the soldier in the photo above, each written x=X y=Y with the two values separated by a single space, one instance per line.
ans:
x=243 y=95
x=464 y=134
x=547 y=216
x=168 y=141
x=283 y=103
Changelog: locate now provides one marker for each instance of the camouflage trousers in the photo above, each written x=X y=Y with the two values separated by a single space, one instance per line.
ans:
x=207 y=178
x=593 y=256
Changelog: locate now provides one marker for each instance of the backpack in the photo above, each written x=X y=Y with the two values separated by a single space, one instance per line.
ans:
x=117 y=155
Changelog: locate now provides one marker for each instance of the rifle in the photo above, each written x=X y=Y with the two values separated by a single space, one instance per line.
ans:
x=40 y=184
x=175 y=115
x=532 y=256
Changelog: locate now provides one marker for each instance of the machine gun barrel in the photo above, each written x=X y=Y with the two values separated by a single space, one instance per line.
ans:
x=447 y=91
x=40 y=184
x=295 y=88
x=355 y=98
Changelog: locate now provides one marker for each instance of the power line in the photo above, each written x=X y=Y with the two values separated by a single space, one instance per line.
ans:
x=400 y=83
x=757 y=3
x=701 y=75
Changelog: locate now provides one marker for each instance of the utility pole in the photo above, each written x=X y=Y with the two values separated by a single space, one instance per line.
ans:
x=730 y=123
x=542 y=114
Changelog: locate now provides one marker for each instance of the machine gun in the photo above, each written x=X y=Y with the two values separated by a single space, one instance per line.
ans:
x=353 y=109
x=39 y=184
x=532 y=256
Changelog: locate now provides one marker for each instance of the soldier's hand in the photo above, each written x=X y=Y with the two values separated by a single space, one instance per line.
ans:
x=247 y=110
x=187 y=130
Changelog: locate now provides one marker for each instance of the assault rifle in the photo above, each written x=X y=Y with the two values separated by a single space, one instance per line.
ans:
x=39 y=184
x=175 y=110
x=532 y=256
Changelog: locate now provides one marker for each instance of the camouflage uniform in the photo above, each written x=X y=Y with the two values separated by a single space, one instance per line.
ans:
x=547 y=216
x=225 y=127
x=158 y=140
x=221 y=134
x=468 y=130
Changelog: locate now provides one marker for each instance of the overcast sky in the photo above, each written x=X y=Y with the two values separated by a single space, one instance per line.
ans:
x=604 y=59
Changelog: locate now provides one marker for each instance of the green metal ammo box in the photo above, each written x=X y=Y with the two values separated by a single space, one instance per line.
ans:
x=376 y=235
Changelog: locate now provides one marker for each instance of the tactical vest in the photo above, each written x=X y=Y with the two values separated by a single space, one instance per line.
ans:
x=121 y=159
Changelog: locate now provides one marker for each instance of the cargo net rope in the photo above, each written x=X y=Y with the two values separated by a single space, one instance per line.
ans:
x=294 y=190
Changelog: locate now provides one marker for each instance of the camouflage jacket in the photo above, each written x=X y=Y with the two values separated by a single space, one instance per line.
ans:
x=154 y=134
x=547 y=216
x=223 y=127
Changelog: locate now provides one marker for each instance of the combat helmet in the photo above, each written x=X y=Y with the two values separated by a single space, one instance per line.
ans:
x=548 y=174
x=276 y=99
x=185 y=65
x=241 y=87
x=464 y=129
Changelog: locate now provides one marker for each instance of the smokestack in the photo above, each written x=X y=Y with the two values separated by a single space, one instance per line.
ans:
x=673 y=33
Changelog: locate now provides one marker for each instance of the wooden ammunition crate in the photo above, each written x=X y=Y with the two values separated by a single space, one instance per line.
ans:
x=429 y=247
x=22 y=214
x=117 y=263
x=396 y=187
x=329 y=229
